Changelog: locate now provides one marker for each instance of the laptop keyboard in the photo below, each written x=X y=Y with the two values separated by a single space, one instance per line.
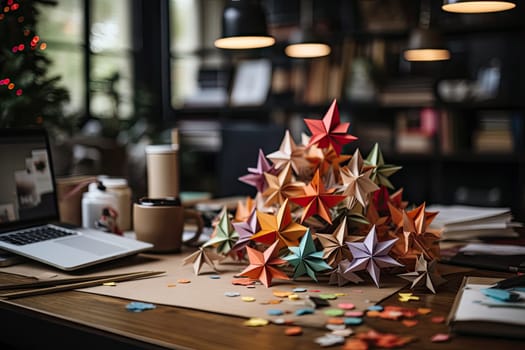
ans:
x=34 y=235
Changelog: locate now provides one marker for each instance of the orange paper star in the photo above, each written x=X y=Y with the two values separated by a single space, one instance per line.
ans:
x=263 y=265
x=317 y=200
x=329 y=130
x=279 y=228
x=415 y=223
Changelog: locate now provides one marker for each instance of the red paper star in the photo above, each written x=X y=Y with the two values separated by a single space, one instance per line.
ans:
x=263 y=265
x=329 y=130
x=317 y=200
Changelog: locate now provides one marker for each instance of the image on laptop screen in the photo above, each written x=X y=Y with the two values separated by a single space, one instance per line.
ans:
x=26 y=180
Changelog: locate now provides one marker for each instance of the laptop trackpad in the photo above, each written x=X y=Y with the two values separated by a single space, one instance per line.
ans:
x=90 y=245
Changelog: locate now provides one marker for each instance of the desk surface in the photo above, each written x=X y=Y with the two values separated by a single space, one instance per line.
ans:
x=80 y=320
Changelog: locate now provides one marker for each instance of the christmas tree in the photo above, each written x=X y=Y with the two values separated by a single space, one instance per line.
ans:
x=28 y=97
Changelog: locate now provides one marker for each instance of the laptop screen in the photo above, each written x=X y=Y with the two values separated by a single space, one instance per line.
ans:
x=27 y=187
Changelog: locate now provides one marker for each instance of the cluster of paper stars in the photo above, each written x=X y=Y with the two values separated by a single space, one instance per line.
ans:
x=319 y=211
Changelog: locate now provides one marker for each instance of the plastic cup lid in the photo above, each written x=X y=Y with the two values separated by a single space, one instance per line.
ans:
x=157 y=149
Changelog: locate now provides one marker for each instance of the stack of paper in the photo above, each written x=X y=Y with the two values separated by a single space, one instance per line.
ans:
x=459 y=222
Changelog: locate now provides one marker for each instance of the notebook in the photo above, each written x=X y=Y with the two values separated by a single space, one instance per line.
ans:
x=29 y=217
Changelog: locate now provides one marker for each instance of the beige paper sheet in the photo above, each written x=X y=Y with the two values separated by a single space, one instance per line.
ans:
x=207 y=294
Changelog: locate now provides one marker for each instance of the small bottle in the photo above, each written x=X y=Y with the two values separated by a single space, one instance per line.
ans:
x=120 y=188
x=94 y=202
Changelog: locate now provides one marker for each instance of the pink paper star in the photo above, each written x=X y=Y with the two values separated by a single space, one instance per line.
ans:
x=263 y=266
x=256 y=175
x=246 y=230
x=329 y=130
x=371 y=255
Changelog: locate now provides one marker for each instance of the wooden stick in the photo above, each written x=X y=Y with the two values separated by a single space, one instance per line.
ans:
x=56 y=282
x=83 y=284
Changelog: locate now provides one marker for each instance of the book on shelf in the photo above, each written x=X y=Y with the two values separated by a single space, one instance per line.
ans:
x=493 y=133
x=475 y=313
x=415 y=130
x=461 y=222
x=407 y=92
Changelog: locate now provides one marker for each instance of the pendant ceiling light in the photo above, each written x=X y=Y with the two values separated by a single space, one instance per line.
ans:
x=244 y=26
x=424 y=43
x=303 y=42
x=476 y=6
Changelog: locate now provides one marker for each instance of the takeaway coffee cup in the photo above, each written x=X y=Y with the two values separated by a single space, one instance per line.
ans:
x=162 y=171
x=161 y=221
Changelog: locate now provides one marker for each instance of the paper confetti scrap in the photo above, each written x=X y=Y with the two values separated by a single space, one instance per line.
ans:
x=109 y=284
x=355 y=344
x=343 y=332
x=232 y=294
x=440 y=337
x=334 y=312
x=248 y=299
x=330 y=340
x=353 y=321
x=409 y=323
x=406 y=297
x=293 y=331
x=438 y=319
x=346 y=306
x=274 y=312
x=138 y=306
x=183 y=281
x=304 y=311
x=256 y=322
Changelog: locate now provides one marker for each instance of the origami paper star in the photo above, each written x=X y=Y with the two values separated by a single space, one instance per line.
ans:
x=425 y=275
x=246 y=230
x=341 y=276
x=325 y=159
x=280 y=228
x=281 y=187
x=317 y=200
x=415 y=224
x=381 y=171
x=305 y=259
x=371 y=255
x=200 y=257
x=244 y=209
x=225 y=235
x=329 y=130
x=357 y=184
x=334 y=247
x=263 y=265
x=289 y=153
x=256 y=175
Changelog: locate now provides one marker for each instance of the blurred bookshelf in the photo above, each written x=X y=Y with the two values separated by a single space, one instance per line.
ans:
x=456 y=127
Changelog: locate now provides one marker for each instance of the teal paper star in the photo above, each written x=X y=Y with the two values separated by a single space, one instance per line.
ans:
x=305 y=259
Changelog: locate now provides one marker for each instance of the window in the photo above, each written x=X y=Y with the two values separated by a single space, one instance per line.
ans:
x=96 y=68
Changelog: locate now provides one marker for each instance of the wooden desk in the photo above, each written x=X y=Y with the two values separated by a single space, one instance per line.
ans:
x=76 y=320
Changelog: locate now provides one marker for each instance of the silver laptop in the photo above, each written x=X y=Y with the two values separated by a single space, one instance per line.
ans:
x=29 y=217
